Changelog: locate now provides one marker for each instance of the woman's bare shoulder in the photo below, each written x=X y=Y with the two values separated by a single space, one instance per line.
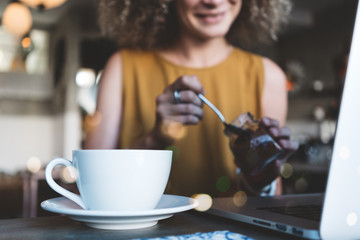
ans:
x=113 y=68
x=274 y=99
x=273 y=72
x=115 y=59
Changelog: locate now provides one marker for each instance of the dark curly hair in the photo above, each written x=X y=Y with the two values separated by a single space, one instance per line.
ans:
x=145 y=24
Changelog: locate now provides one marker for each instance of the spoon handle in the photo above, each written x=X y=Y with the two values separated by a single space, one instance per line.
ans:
x=207 y=102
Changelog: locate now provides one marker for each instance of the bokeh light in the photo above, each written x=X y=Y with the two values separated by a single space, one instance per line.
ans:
x=85 y=77
x=26 y=42
x=223 y=183
x=17 y=19
x=34 y=164
x=286 y=170
x=351 y=219
x=205 y=202
x=319 y=113
x=175 y=151
x=240 y=198
x=69 y=174
x=344 y=152
x=318 y=85
x=92 y=121
x=301 y=184
x=174 y=129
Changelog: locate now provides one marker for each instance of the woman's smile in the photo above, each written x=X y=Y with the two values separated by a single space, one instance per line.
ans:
x=207 y=19
x=210 y=18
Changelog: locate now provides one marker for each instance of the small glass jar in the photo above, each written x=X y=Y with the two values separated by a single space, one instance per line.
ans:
x=253 y=147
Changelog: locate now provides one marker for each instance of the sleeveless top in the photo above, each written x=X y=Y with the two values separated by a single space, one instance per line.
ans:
x=202 y=159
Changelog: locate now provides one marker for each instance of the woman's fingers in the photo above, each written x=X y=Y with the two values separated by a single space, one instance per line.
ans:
x=184 y=113
x=184 y=96
x=269 y=122
x=283 y=132
x=179 y=102
x=289 y=146
x=186 y=82
x=188 y=96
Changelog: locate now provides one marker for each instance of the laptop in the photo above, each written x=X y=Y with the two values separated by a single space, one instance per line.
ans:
x=336 y=212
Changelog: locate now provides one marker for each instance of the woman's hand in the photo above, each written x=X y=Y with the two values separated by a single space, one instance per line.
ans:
x=258 y=176
x=185 y=110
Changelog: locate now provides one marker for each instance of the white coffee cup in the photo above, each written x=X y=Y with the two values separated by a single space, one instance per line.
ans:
x=115 y=180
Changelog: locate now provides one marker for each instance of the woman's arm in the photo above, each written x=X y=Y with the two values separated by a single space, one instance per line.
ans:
x=109 y=109
x=104 y=135
x=274 y=99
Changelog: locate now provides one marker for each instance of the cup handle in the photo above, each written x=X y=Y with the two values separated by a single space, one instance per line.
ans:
x=56 y=187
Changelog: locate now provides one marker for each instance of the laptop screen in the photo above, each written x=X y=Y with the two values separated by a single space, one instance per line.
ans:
x=341 y=209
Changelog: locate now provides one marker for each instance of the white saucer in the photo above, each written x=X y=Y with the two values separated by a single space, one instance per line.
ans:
x=121 y=220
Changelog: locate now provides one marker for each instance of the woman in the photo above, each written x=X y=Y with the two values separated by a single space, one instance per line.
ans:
x=188 y=47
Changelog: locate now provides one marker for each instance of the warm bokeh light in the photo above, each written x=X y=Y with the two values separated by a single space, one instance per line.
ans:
x=69 y=174
x=290 y=85
x=34 y=164
x=17 y=19
x=175 y=130
x=26 y=42
x=344 y=152
x=351 y=219
x=240 y=198
x=286 y=170
x=223 y=183
x=92 y=121
x=205 y=202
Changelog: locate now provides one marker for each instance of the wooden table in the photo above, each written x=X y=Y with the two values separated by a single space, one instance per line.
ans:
x=61 y=227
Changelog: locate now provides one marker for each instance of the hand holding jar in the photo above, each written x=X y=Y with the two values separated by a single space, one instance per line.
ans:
x=260 y=149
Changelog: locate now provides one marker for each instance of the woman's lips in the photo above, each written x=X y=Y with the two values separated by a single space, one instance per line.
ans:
x=210 y=18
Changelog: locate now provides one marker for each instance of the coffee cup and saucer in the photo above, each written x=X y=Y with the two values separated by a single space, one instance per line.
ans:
x=119 y=189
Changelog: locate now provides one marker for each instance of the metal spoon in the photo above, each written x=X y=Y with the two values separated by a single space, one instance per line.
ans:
x=228 y=127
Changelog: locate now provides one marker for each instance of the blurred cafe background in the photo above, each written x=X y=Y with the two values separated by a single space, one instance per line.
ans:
x=51 y=57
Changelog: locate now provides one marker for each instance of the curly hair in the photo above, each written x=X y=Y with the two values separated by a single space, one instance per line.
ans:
x=146 y=24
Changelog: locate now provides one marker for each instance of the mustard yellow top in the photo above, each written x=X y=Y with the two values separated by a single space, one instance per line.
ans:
x=203 y=162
